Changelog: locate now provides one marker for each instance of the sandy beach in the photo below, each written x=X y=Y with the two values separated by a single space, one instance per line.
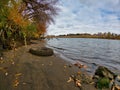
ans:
x=20 y=70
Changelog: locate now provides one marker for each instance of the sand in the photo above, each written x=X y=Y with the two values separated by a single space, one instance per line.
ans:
x=20 y=70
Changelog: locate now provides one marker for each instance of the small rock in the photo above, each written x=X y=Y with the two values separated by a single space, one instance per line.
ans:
x=6 y=73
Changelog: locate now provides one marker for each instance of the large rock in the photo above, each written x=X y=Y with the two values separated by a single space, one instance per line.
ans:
x=44 y=51
x=102 y=71
x=102 y=77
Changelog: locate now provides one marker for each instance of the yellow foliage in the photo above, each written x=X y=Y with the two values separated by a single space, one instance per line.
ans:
x=36 y=35
x=15 y=14
x=41 y=28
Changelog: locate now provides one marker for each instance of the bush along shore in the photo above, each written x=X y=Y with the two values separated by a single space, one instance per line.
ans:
x=36 y=67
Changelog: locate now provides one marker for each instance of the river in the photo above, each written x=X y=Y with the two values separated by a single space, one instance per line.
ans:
x=91 y=52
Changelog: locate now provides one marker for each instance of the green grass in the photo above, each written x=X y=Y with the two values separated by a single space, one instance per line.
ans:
x=103 y=83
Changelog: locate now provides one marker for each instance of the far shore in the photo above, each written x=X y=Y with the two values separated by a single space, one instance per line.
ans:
x=20 y=70
x=105 y=35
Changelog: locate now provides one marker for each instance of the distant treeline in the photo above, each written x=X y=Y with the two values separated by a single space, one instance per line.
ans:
x=105 y=35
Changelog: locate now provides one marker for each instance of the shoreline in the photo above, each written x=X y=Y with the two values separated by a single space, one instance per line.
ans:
x=89 y=70
x=21 y=70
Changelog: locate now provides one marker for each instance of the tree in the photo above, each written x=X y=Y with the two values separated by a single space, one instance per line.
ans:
x=41 y=11
x=23 y=18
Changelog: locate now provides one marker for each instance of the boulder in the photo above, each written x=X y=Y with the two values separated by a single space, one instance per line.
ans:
x=102 y=77
x=43 y=51
x=102 y=71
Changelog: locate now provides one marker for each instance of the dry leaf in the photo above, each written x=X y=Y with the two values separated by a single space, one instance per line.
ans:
x=78 y=83
x=18 y=74
x=70 y=80
x=65 y=66
x=15 y=83
x=78 y=73
x=92 y=83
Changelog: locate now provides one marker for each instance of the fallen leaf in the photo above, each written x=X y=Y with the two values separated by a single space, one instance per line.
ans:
x=16 y=83
x=70 y=79
x=92 y=83
x=78 y=83
x=18 y=74
x=78 y=73
x=65 y=66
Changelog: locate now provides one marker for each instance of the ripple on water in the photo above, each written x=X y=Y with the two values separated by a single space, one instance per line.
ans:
x=92 y=52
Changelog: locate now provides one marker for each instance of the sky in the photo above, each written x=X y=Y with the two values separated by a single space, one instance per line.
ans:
x=86 y=16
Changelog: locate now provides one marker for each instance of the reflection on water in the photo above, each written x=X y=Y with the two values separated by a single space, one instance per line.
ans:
x=91 y=52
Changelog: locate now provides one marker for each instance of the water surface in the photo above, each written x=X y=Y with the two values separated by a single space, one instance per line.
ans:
x=92 y=52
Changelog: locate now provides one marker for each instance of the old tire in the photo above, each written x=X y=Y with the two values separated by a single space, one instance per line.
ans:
x=44 y=51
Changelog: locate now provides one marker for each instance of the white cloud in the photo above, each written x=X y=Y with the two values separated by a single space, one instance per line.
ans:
x=78 y=16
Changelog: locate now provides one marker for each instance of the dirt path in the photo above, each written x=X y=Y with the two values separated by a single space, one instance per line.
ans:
x=21 y=70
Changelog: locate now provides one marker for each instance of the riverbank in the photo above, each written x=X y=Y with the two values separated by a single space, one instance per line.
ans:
x=20 y=70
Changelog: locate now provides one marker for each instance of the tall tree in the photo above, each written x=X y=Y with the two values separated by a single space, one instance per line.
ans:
x=23 y=18
x=41 y=11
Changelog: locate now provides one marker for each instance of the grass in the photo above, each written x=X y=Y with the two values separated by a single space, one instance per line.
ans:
x=103 y=83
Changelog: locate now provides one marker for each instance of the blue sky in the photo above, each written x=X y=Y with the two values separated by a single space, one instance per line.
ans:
x=86 y=16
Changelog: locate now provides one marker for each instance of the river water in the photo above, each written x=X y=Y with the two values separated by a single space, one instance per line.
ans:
x=91 y=52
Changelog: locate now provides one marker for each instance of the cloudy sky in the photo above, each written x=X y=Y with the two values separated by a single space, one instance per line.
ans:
x=86 y=16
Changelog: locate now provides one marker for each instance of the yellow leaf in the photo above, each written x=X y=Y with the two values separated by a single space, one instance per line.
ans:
x=18 y=74
x=15 y=83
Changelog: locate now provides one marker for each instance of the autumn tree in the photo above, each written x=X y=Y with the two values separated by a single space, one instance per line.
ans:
x=21 y=19
x=42 y=12
x=13 y=26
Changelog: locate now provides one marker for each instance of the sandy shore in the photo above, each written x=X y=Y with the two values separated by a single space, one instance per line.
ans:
x=20 y=70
